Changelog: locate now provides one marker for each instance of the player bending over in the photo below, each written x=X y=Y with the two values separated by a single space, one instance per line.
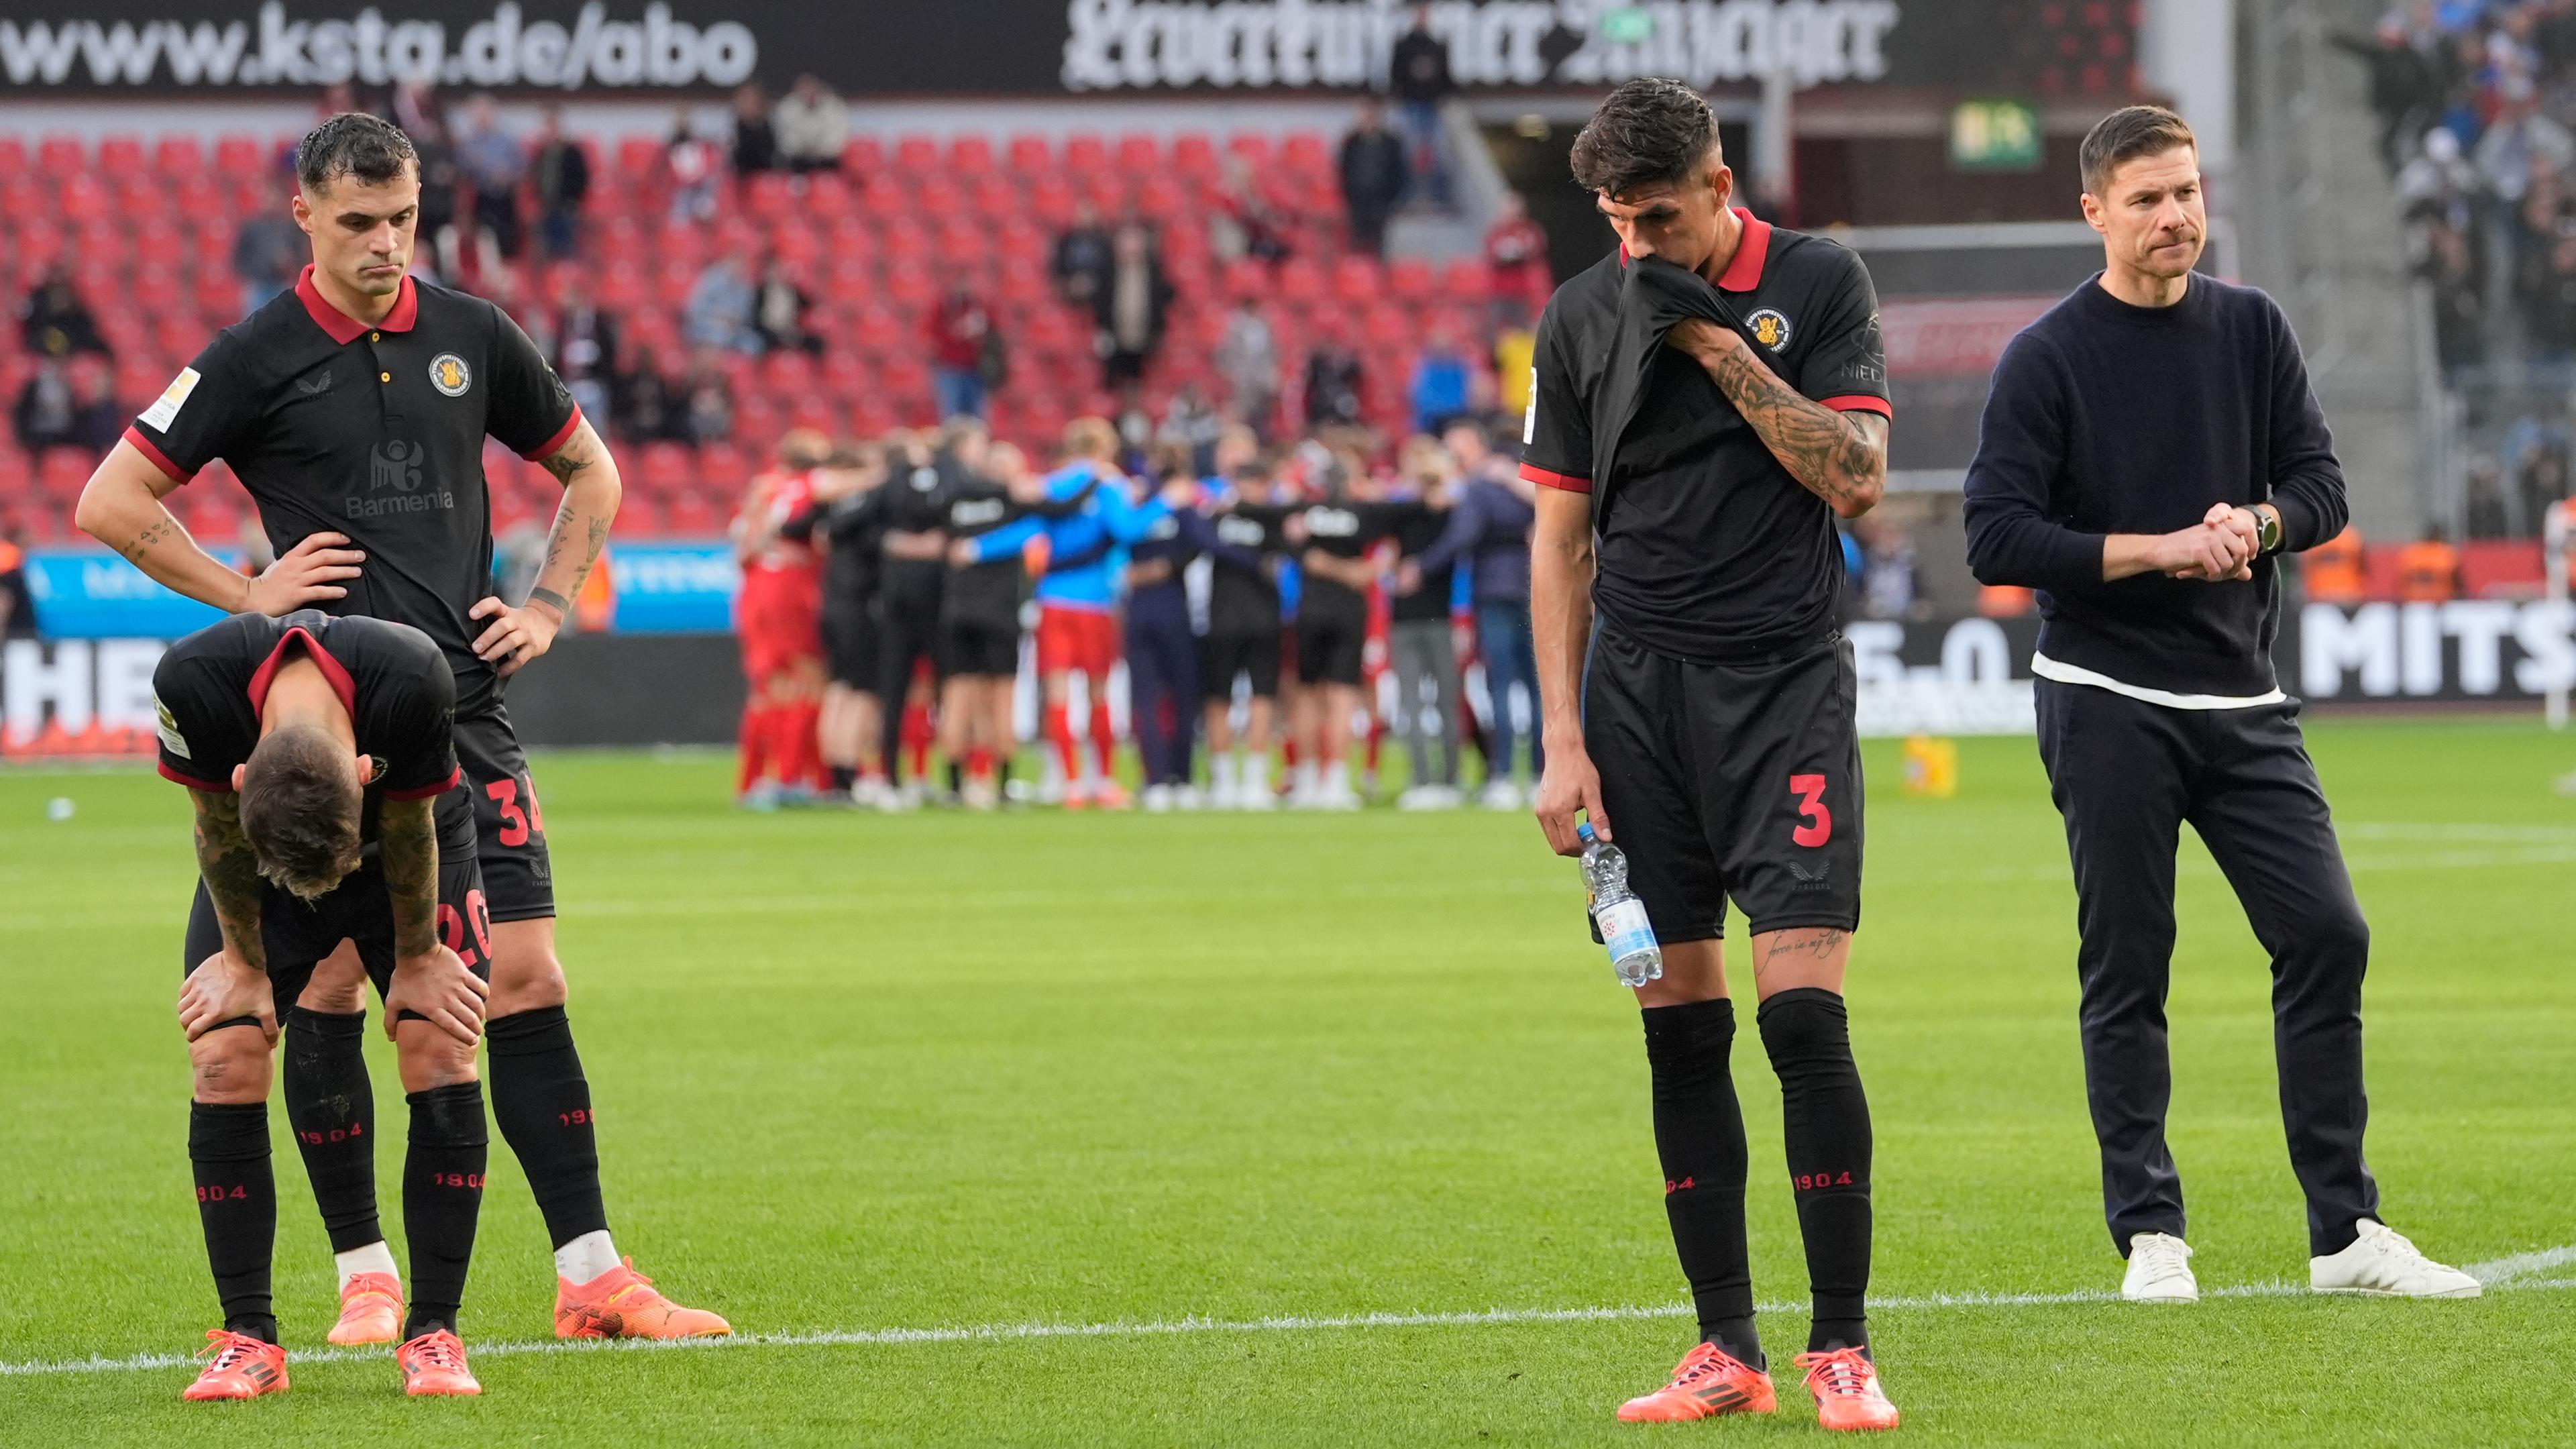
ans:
x=319 y=757
x=354 y=408
x=1708 y=399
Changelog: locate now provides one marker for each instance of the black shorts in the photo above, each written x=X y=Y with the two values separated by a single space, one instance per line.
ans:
x=296 y=936
x=986 y=647
x=1252 y=652
x=518 y=874
x=1330 y=643
x=1729 y=781
x=850 y=643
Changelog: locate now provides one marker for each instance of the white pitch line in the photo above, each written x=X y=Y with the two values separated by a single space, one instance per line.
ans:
x=2501 y=1274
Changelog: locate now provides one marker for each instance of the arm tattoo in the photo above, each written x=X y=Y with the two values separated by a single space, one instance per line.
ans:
x=231 y=873
x=1812 y=946
x=408 y=847
x=567 y=460
x=152 y=533
x=1839 y=457
x=551 y=600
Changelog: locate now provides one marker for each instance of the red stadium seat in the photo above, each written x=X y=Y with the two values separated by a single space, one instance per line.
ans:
x=862 y=157
x=1031 y=156
x=639 y=158
x=1194 y=157
x=178 y=157
x=639 y=516
x=846 y=374
x=851 y=239
x=849 y=281
x=1085 y=154
x=798 y=247
x=62 y=472
x=81 y=197
x=1139 y=155
x=906 y=241
x=1022 y=284
x=1300 y=282
x=768 y=196
x=119 y=155
x=997 y=195
x=1357 y=279
x=621 y=286
x=219 y=298
x=1161 y=199
x=1467 y=279
x=909 y=286
x=1251 y=148
x=1408 y=279
x=1246 y=279
x=60 y=156
x=787 y=370
x=1304 y=154
x=829 y=197
x=722 y=469
x=1051 y=202
x=13 y=157
x=879 y=334
x=970 y=157
x=916 y=157
x=938 y=196
x=17 y=477
x=692 y=515
x=241 y=158
x=962 y=241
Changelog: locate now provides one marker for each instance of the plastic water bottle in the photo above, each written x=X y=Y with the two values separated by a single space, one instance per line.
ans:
x=1617 y=911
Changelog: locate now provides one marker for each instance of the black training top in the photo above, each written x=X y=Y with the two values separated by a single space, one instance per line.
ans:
x=1415 y=532
x=915 y=502
x=1347 y=529
x=375 y=432
x=1243 y=586
x=1708 y=549
x=2107 y=418
x=986 y=593
x=209 y=688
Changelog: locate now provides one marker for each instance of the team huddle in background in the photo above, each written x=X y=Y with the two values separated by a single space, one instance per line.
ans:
x=1303 y=600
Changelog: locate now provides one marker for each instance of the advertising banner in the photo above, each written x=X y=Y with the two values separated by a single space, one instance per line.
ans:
x=89 y=593
x=1052 y=47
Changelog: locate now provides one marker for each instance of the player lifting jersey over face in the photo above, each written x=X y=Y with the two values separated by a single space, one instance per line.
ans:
x=354 y=410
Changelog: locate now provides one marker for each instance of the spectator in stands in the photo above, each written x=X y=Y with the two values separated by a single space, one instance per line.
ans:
x=1241 y=224
x=97 y=420
x=2542 y=479
x=1373 y=178
x=440 y=181
x=1081 y=257
x=580 y=341
x=959 y=327
x=496 y=165
x=719 y=312
x=561 y=170
x=710 y=416
x=55 y=321
x=268 y=252
x=647 y=406
x=1516 y=251
x=2487 y=515
x=1332 y=377
x=1130 y=308
x=695 y=169
x=755 y=144
x=779 y=311
x=2439 y=177
x=1247 y=357
x=2449 y=259
x=1886 y=567
x=47 y=411
x=2553 y=297
x=812 y=126
x=17 y=608
x=1418 y=74
x=2405 y=88
x=1441 y=372
x=2522 y=142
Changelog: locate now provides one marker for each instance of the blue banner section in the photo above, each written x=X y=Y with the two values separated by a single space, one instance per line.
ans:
x=674 y=588
x=88 y=593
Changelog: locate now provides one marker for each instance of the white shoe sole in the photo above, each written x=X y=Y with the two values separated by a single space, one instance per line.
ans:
x=2191 y=1295
x=2472 y=1291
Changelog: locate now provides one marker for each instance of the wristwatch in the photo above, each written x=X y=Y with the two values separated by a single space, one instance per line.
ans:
x=2267 y=530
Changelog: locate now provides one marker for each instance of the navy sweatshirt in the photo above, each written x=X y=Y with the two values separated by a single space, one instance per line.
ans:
x=1489 y=531
x=2107 y=418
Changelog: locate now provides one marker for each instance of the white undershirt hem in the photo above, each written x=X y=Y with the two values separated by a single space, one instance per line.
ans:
x=2047 y=668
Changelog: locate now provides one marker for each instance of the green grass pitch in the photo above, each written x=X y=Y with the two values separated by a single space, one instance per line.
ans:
x=1224 y=1084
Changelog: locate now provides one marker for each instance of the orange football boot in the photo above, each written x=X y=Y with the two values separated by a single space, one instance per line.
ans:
x=370 y=1309
x=434 y=1363
x=1845 y=1384
x=244 y=1368
x=1706 y=1383
x=621 y=1303
x=1110 y=795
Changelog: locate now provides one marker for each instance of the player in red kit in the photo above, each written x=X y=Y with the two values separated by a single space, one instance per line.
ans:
x=778 y=616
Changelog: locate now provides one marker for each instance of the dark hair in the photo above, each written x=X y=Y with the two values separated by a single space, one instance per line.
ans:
x=299 y=809
x=1648 y=130
x=369 y=148
x=2125 y=135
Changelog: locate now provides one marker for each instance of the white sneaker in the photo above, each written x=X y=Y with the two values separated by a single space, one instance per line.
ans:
x=1255 y=797
x=1189 y=797
x=2382 y=1263
x=1158 y=799
x=1500 y=795
x=2159 y=1270
x=1428 y=797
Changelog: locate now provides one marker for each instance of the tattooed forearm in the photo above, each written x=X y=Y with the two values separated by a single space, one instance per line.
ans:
x=551 y=600
x=152 y=533
x=569 y=459
x=409 y=850
x=1840 y=457
x=231 y=873
x=580 y=532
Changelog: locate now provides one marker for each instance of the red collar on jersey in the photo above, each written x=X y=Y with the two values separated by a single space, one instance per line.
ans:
x=345 y=329
x=332 y=671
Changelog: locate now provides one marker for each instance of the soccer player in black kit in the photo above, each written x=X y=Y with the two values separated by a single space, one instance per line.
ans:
x=2150 y=447
x=1708 y=399
x=354 y=408
x=319 y=755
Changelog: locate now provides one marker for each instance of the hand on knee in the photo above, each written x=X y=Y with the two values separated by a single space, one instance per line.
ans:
x=230 y=1064
x=429 y=1058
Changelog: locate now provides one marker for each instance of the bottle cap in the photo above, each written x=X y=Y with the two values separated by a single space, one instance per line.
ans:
x=1583 y=831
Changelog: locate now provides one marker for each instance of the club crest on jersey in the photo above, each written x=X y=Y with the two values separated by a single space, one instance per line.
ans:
x=1768 y=328
x=448 y=373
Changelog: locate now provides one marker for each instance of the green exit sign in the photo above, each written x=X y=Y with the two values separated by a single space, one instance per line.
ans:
x=1627 y=25
x=1994 y=135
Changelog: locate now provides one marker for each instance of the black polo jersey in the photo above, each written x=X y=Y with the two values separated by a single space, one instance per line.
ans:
x=989 y=592
x=1709 y=550
x=209 y=688
x=375 y=432
x=1243 y=593
x=1347 y=529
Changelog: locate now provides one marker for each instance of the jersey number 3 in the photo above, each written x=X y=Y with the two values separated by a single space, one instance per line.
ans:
x=1819 y=826
x=515 y=822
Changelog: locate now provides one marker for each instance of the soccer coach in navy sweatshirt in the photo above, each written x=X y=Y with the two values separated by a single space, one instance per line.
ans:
x=2149 y=449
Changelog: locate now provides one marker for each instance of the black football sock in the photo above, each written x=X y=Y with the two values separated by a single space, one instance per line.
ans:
x=1699 y=1136
x=1825 y=1121
x=332 y=1107
x=237 y=1207
x=442 y=1197
x=843 y=777
x=542 y=1102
